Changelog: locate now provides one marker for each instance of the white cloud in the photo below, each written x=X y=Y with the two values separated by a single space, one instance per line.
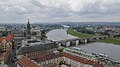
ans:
x=63 y=10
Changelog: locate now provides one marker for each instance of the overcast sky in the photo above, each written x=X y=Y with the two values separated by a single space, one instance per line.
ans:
x=15 y=11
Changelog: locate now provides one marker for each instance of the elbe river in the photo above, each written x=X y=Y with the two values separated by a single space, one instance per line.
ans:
x=113 y=51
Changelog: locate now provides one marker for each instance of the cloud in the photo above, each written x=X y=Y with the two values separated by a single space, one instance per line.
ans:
x=80 y=7
x=59 y=10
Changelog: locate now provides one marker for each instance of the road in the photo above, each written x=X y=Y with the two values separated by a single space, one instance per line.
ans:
x=12 y=60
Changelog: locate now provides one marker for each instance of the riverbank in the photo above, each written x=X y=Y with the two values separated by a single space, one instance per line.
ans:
x=78 y=34
x=115 y=41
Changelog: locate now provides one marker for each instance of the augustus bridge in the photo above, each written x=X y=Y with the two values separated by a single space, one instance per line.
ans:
x=77 y=41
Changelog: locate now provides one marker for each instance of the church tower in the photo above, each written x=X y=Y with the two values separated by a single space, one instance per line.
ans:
x=28 y=30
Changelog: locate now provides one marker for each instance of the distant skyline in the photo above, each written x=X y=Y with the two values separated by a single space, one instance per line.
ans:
x=19 y=11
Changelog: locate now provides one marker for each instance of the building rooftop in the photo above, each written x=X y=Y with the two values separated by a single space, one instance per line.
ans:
x=80 y=53
x=34 y=42
x=10 y=37
x=82 y=60
x=27 y=62
x=36 y=46
x=44 y=57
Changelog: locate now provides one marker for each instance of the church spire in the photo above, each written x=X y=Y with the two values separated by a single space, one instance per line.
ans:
x=28 y=25
x=28 y=29
x=28 y=21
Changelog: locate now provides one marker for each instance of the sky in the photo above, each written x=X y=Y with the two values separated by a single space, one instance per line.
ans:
x=18 y=11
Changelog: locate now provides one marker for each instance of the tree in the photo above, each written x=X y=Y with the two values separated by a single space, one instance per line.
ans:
x=34 y=33
x=5 y=33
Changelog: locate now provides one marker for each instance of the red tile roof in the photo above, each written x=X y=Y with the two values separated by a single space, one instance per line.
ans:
x=26 y=62
x=82 y=60
x=10 y=37
x=44 y=57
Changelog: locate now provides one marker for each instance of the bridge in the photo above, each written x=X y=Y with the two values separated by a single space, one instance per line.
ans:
x=77 y=41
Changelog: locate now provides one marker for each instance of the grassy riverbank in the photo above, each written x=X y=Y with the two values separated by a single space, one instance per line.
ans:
x=110 y=40
x=83 y=35
x=78 y=34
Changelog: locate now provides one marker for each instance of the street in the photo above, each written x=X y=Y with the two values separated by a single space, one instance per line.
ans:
x=12 y=60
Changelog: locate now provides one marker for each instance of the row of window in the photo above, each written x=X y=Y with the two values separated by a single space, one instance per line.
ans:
x=80 y=54
x=75 y=63
x=52 y=61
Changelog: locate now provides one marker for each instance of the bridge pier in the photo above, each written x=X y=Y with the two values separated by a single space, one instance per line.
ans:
x=83 y=41
x=73 y=43
x=63 y=44
x=97 y=38
x=77 y=42
x=59 y=45
x=86 y=40
x=90 y=40
x=104 y=37
x=68 y=44
x=107 y=36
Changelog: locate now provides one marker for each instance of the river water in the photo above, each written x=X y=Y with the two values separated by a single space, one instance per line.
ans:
x=113 y=51
x=59 y=34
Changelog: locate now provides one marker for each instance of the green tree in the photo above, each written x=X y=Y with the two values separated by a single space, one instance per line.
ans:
x=34 y=33
x=5 y=33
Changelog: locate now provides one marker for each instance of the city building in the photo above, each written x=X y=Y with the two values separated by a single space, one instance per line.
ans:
x=35 y=46
x=5 y=42
x=80 y=53
x=6 y=48
x=70 y=57
x=5 y=56
x=19 y=32
x=49 y=59
x=26 y=62
x=76 y=57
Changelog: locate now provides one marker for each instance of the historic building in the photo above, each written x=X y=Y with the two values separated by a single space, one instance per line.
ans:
x=73 y=57
x=76 y=57
x=19 y=33
x=28 y=30
x=5 y=42
x=6 y=47
x=32 y=47
x=26 y=62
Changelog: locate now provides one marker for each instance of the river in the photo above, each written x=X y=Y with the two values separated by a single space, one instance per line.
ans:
x=59 y=34
x=113 y=51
